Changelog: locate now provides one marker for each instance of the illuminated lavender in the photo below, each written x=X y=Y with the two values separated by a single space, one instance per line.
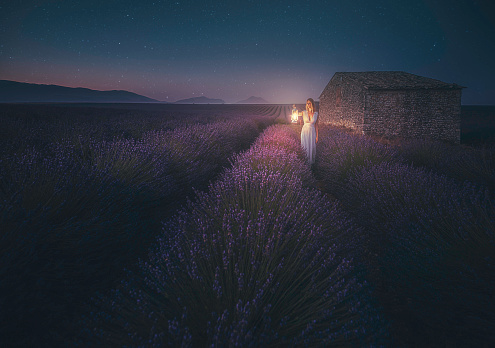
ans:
x=82 y=198
x=257 y=260
x=341 y=153
x=200 y=229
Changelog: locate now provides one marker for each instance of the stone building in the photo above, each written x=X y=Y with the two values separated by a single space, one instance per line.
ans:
x=393 y=104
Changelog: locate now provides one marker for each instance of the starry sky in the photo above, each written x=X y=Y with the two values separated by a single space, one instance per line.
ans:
x=283 y=51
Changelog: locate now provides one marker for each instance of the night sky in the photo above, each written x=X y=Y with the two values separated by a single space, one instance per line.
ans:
x=284 y=51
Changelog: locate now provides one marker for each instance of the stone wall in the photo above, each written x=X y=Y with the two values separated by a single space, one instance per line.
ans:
x=413 y=113
x=342 y=104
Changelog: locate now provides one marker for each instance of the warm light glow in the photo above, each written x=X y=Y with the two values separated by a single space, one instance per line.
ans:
x=294 y=115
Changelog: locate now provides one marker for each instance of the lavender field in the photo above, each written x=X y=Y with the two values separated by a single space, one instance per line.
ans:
x=84 y=191
x=203 y=225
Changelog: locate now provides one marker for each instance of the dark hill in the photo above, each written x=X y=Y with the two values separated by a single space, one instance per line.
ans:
x=200 y=100
x=18 y=92
x=253 y=100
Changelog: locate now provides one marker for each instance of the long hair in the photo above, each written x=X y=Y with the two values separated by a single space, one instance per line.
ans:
x=313 y=105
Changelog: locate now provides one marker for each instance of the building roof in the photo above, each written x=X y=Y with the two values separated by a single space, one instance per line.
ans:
x=393 y=80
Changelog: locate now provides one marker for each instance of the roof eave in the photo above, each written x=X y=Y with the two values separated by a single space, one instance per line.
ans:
x=371 y=88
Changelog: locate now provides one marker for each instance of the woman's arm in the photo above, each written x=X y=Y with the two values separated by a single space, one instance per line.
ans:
x=316 y=126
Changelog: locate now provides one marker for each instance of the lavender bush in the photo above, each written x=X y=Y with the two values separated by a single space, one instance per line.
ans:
x=432 y=237
x=27 y=126
x=438 y=238
x=59 y=220
x=277 y=150
x=475 y=164
x=75 y=211
x=198 y=150
x=339 y=153
x=256 y=261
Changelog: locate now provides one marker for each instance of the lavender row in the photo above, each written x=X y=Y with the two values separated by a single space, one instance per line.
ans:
x=25 y=126
x=257 y=260
x=340 y=153
x=464 y=163
x=75 y=213
x=433 y=236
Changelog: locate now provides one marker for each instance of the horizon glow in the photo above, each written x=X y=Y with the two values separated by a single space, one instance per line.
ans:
x=283 y=52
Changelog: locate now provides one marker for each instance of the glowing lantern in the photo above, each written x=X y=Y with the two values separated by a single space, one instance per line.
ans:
x=294 y=116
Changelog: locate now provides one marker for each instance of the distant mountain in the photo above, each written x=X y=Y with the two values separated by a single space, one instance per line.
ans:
x=200 y=100
x=253 y=100
x=18 y=92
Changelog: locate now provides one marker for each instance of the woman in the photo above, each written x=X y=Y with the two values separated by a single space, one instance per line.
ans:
x=309 y=132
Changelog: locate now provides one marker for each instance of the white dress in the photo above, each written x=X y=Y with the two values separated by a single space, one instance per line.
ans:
x=308 y=136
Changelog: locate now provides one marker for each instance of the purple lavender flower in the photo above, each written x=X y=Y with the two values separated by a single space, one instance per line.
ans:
x=430 y=236
x=82 y=191
x=257 y=260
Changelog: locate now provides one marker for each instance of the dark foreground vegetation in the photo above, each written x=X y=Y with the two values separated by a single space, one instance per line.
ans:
x=84 y=191
x=428 y=214
x=198 y=225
